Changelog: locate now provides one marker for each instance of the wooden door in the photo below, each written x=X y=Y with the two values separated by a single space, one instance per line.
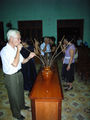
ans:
x=30 y=29
x=1 y=32
x=74 y=28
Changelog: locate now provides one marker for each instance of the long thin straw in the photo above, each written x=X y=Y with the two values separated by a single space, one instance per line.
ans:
x=56 y=49
x=36 y=56
x=59 y=53
x=40 y=58
x=40 y=53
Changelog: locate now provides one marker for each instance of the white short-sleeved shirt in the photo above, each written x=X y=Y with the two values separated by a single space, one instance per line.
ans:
x=8 y=54
x=42 y=46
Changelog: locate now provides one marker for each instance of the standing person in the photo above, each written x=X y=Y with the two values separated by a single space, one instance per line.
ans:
x=11 y=63
x=28 y=69
x=45 y=46
x=52 y=44
x=68 y=63
x=46 y=51
x=36 y=47
x=79 y=41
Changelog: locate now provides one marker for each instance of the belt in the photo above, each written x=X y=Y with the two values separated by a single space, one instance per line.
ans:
x=18 y=71
x=67 y=57
x=14 y=73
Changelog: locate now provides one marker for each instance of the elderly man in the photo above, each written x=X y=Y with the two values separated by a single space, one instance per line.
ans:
x=11 y=63
x=45 y=46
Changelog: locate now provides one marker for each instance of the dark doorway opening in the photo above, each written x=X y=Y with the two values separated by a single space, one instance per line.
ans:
x=74 y=28
x=2 y=42
x=30 y=29
x=1 y=32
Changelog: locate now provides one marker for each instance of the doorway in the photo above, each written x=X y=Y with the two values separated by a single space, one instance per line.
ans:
x=30 y=29
x=1 y=32
x=74 y=28
x=2 y=42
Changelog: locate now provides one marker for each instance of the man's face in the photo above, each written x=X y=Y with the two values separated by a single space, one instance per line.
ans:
x=46 y=40
x=16 y=40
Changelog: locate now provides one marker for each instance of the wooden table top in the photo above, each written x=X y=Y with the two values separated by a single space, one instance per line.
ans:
x=47 y=89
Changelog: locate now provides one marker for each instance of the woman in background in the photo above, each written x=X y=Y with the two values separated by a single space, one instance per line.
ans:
x=28 y=69
x=68 y=63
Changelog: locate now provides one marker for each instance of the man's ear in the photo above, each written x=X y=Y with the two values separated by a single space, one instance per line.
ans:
x=11 y=38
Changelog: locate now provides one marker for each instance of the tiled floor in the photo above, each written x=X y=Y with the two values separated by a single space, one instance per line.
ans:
x=75 y=106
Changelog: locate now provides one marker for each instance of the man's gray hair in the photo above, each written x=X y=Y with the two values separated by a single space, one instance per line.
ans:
x=12 y=33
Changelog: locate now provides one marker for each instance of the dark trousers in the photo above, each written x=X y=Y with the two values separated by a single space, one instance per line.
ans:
x=15 y=89
x=68 y=75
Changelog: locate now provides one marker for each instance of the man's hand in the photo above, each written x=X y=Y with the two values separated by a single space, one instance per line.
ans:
x=16 y=59
x=19 y=47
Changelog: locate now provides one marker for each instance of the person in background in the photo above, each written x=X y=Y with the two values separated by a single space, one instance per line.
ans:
x=28 y=69
x=36 y=46
x=76 y=54
x=86 y=44
x=45 y=46
x=11 y=64
x=68 y=63
x=79 y=41
x=41 y=41
x=62 y=58
x=52 y=44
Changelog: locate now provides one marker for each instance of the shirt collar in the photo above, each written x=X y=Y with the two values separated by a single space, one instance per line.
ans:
x=10 y=47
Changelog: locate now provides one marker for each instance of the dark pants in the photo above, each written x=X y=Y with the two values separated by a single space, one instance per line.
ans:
x=68 y=75
x=14 y=85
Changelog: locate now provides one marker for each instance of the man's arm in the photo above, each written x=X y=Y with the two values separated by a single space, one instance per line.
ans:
x=44 y=49
x=17 y=57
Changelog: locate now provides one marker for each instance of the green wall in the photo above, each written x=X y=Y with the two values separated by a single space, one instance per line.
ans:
x=49 y=11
